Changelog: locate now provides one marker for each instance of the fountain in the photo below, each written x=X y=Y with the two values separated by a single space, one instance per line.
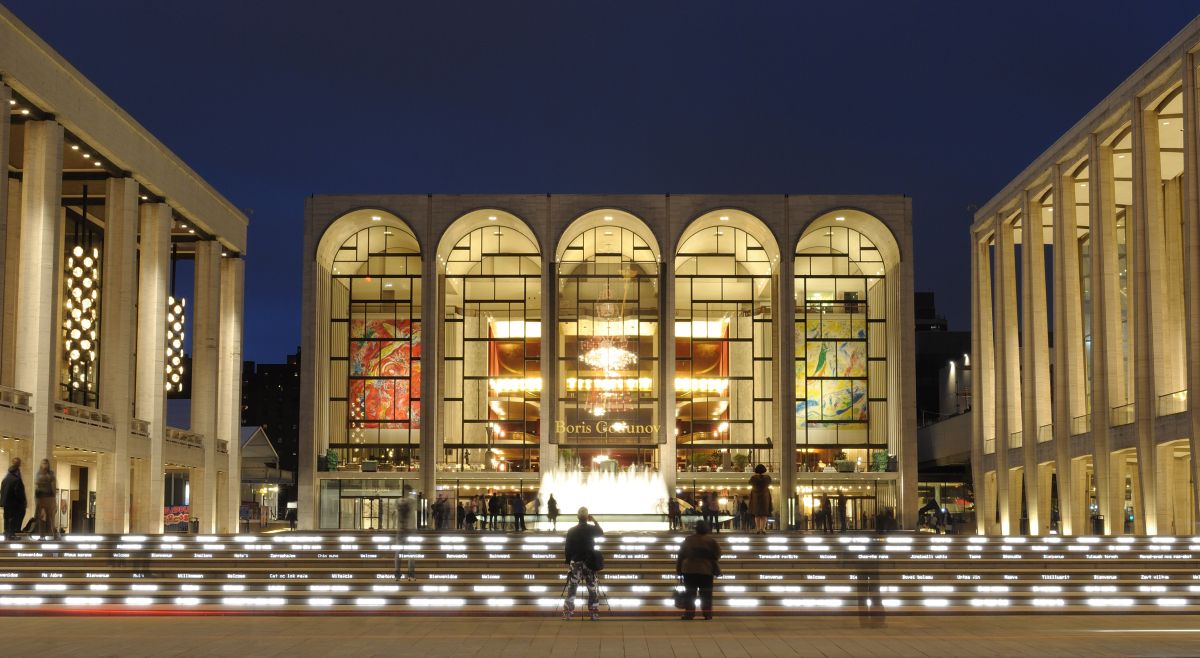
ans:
x=626 y=493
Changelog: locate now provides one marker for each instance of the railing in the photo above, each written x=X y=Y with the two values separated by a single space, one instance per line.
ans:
x=1172 y=403
x=81 y=414
x=1016 y=440
x=1045 y=433
x=989 y=445
x=184 y=437
x=1122 y=415
x=14 y=399
x=139 y=427
x=1081 y=424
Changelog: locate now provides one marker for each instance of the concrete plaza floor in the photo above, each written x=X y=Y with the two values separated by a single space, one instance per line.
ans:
x=519 y=637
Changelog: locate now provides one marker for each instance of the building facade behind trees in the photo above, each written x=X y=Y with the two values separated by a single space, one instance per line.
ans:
x=458 y=345
x=1097 y=242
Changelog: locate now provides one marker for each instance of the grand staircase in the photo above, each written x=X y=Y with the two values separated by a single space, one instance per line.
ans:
x=523 y=573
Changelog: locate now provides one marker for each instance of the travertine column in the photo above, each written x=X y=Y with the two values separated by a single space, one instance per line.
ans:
x=1008 y=373
x=12 y=279
x=6 y=354
x=153 y=288
x=37 y=344
x=1106 y=333
x=1035 y=357
x=1069 y=377
x=983 y=370
x=668 y=443
x=784 y=326
x=430 y=305
x=206 y=338
x=229 y=401
x=1191 y=235
x=547 y=447
x=1147 y=303
x=977 y=403
x=118 y=334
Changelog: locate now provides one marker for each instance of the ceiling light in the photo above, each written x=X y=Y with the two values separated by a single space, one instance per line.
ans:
x=183 y=224
x=224 y=253
x=97 y=163
x=608 y=218
x=491 y=218
x=191 y=230
x=145 y=198
x=376 y=218
x=74 y=147
x=25 y=112
x=85 y=156
x=840 y=219
x=724 y=218
x=608 y=232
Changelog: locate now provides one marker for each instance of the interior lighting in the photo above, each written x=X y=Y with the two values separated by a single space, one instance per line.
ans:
x=25 y=112
x=376 y=218
x=724 y=218
x=840 y=219
x=74 y=147
x=491 y=218
x=81 y=317
x=608 y=218
x=176 y=309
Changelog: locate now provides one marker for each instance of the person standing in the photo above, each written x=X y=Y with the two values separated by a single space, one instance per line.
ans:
x=45 y=495
x=518 y=512
x=760 y=498
x=13 y=500
x=579 y=552
x=552 y=512
x=674 y=517
x=460 y=513
x=826 y=514
x=698 y=562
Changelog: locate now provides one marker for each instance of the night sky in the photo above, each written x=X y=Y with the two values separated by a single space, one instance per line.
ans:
x=272 y=101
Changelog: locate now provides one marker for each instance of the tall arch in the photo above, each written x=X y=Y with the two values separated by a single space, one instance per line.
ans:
x=608 y=343
x=490 y=267
x=849 y=396
x=724 y=335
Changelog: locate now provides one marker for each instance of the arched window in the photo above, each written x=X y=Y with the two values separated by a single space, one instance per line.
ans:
x=723 y=354
x=608 y=315
x=493 y=332
x=841 y=349
x=375 y=347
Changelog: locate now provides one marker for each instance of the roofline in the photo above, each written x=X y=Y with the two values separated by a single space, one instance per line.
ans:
x=1149 y=75
x=36 y=71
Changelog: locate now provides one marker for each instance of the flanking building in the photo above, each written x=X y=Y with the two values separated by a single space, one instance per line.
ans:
x=457 y=345
x=1096 y=245
x=95 y=216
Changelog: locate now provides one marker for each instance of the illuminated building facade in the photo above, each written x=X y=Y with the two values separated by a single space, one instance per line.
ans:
x=457 y=345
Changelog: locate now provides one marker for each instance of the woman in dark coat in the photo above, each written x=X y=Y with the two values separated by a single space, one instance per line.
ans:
x=760 y=498
x=698 y=563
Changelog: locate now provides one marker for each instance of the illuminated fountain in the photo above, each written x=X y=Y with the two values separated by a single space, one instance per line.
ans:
x=626 y=493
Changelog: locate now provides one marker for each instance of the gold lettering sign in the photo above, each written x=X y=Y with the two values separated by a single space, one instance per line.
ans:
x=606 y=427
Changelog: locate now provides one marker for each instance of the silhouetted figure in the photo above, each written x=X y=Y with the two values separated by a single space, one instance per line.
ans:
x=698 y=562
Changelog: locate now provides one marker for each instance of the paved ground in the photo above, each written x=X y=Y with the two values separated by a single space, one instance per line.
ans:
x=427 y=637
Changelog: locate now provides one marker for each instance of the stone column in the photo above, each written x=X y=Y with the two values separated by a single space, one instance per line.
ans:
x=6 y=218
x=1148 y=304
x=229 y=402
x=39 y=294
x=547 y=447
x=1191 y=282
x=118 y=333
x=1035 y=356
x=431 y=305
x=1069 y=376
x=977 y=398
x=1008 y=373
x=12 y=271
x=784 y=326
x=206 y=338
x=1106 y=334
x=153 y=288
x=668 y=443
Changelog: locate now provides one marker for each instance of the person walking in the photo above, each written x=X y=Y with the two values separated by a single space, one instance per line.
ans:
x=45 y=495
x=699 y=562
x=826 y=514
x=552 y=512
x=13 y=500
x=760 y=498
x=580 y=554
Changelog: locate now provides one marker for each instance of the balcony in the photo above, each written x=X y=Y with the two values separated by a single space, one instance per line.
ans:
x=1045 y=433
x=1016 y=440
x=14 y=399
x=989 y=445
x=1122 y=415
x=184 y=438
x=139 y=427
x=1172 y=403
x=1081 y=424
x=81 y=414
x=223 y=446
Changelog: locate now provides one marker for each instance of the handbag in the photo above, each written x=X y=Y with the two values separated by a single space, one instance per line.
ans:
x=597 y=561
x=681 y=596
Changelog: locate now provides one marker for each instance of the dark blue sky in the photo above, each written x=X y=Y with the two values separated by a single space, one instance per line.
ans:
x=274 y=100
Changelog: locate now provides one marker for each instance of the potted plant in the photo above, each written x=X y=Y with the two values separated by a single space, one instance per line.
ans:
x=842 y=464
x=740 y=461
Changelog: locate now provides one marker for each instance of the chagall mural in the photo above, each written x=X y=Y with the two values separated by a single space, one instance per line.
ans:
x=385 y=374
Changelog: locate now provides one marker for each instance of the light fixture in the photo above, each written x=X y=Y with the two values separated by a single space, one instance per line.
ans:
x=96 y=163
x=74 y=147
x=80 y=319
x=376 y=218
x=608 y=218
x=840 y=219
x=25 y=112
x=145 y=198
x=176 y=309
x=191 y=230
x=224 y=253
x=724 y=218
x=86 y=156
x=491 y=218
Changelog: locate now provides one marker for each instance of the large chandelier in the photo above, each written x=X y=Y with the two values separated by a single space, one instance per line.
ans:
x=608 y=349
x=80 y=324
x=176 y=307
x=610 y=356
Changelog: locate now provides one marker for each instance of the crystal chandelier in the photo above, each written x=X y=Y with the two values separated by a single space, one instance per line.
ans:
x=609 y=350
x=82 y=317
x=610 y=356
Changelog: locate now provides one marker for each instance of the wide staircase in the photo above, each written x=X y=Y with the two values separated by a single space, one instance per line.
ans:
x=523 y=573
